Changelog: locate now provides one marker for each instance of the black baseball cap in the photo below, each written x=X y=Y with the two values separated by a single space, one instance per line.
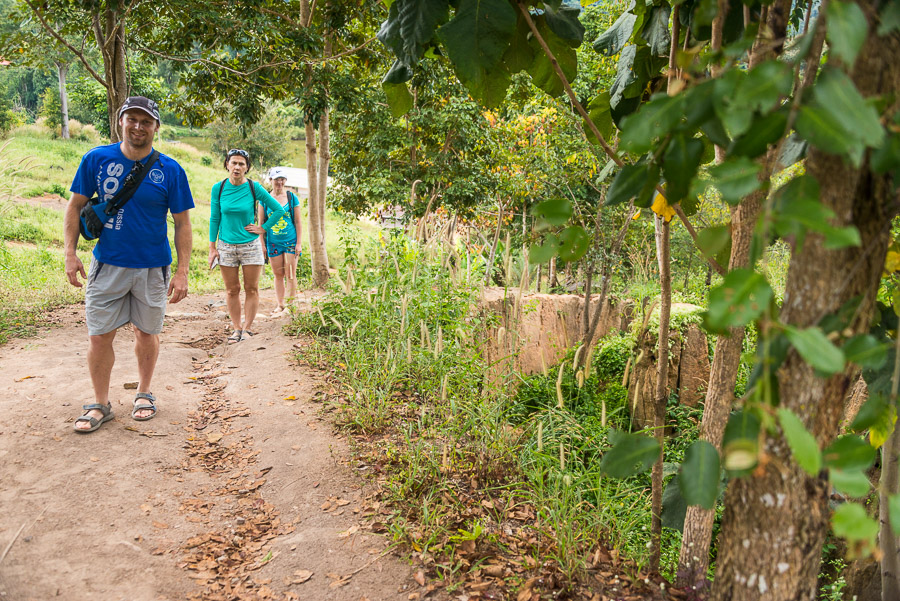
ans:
x=140 y=102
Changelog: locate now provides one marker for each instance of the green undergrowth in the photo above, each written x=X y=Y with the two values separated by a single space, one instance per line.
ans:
x=474 y=461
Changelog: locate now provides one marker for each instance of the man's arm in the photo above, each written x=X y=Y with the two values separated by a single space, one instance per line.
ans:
x=184 y=239
x=71 y=231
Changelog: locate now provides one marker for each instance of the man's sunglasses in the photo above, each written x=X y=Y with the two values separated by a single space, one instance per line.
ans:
x=239 y=152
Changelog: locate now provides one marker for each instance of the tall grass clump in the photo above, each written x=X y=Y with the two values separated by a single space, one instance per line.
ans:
x=474 y=460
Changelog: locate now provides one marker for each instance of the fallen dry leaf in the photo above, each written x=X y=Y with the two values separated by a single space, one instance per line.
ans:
x=301 y=576
x=146 y=508
x=160 y=525
x=349 y=532
x=214 y=437
x=23 y=378
x=420 y=578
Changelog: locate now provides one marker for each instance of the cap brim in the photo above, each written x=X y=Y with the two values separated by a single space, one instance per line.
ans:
x=125 y=109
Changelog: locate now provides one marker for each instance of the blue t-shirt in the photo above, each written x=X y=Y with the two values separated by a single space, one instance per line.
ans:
x=137 y=236
x=284 y=231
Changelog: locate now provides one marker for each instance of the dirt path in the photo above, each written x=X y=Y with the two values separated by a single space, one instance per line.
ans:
x=237 y=490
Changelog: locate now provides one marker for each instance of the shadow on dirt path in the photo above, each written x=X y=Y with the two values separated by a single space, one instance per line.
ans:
x=237 y=490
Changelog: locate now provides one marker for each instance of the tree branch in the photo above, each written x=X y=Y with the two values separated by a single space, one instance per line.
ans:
x=603 y=143
x=65 y=43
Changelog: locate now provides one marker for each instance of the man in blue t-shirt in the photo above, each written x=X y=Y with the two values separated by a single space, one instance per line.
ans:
x=129 y=279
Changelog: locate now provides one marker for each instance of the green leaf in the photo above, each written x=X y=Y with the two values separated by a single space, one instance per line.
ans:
x=877 y=408
x=890 y=20
x=763 y=133
x=742 y=297
x=740 y=444
x=852 y=483
x=541 y=69
x=654 y=120
x=627 y=184
x=476 y=39
x=849 y=452
x=764 y=86
x=563 y=21
x=894 y=513
x=736 y=178
x=734 y=116
x=836 y=93
x=573 y=243
x=798 y=211
x=542 y=253
x=614 y=39
x=519 y=54
x=680 y=164
x=824 y=131
x=803 y=444
x=712 y=240
x=656 y=29
x=699 y=477
x=866 y=351
x=555 y=211
x=598 y=111
x=399 y=99
x=816 y=349
x=846 y=31
x=674 y=507
x=631 y=454
x=409 y=28
x=850 y=521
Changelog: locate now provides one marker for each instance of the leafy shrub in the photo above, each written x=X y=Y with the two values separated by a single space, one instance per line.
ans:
x=612 y=356
x=83 y=133
x=265 y=140
x=51 y=110
x=206 y=160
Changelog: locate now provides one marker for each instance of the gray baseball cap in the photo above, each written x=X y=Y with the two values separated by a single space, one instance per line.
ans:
x=140 y=102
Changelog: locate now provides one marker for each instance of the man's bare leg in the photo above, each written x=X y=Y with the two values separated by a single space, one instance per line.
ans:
x=146 y=349
x=101 y=357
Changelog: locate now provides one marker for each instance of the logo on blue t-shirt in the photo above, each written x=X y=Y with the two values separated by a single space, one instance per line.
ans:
x=156 y=176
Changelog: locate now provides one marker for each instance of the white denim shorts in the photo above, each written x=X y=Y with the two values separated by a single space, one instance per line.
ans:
x=119 y=295
x=235 y=255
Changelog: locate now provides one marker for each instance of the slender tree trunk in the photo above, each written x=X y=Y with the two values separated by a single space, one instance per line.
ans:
x=890 y=485
x=109 y=31
x=662 y=384
x=693 y=560
x=776 y=520
x=551 y=275
x=316 y=215
x=324 y=160
x=316 y=239
x=62 y=70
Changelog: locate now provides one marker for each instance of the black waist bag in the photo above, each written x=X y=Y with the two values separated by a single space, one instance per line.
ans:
x=97 y=213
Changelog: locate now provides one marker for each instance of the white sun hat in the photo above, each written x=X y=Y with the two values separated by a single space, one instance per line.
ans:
x=276 y=172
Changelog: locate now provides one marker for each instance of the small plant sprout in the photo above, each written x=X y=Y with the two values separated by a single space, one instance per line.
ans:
x=439 y=343
x=540 y=437
x=321 y=317
x=562 y=457
x=444 y=384
x=409 y=355
x=577 y=356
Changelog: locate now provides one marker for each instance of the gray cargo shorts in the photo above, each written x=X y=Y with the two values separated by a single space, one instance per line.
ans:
x=119 y=295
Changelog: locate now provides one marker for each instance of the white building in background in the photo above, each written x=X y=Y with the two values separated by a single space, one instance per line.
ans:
x=297 y=181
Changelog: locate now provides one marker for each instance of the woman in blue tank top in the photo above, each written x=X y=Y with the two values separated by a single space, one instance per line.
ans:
x=282 y=240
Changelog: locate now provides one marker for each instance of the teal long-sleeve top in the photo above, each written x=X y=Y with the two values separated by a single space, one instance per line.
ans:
x=234 y=209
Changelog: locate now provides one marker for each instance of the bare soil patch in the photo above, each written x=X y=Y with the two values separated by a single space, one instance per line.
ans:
x=238 y=489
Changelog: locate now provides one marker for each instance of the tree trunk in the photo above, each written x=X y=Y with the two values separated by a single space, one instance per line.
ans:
x=662 y=381
x=316 y=239
x=776 y=520
x=551 y=275
x=62 y=70
x=493 y=256
x=109 y=31
x=890 y=485
x=693 y=559
x=324 y=160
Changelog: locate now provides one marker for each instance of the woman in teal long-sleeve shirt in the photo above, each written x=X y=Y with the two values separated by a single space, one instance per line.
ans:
x=234 y=239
